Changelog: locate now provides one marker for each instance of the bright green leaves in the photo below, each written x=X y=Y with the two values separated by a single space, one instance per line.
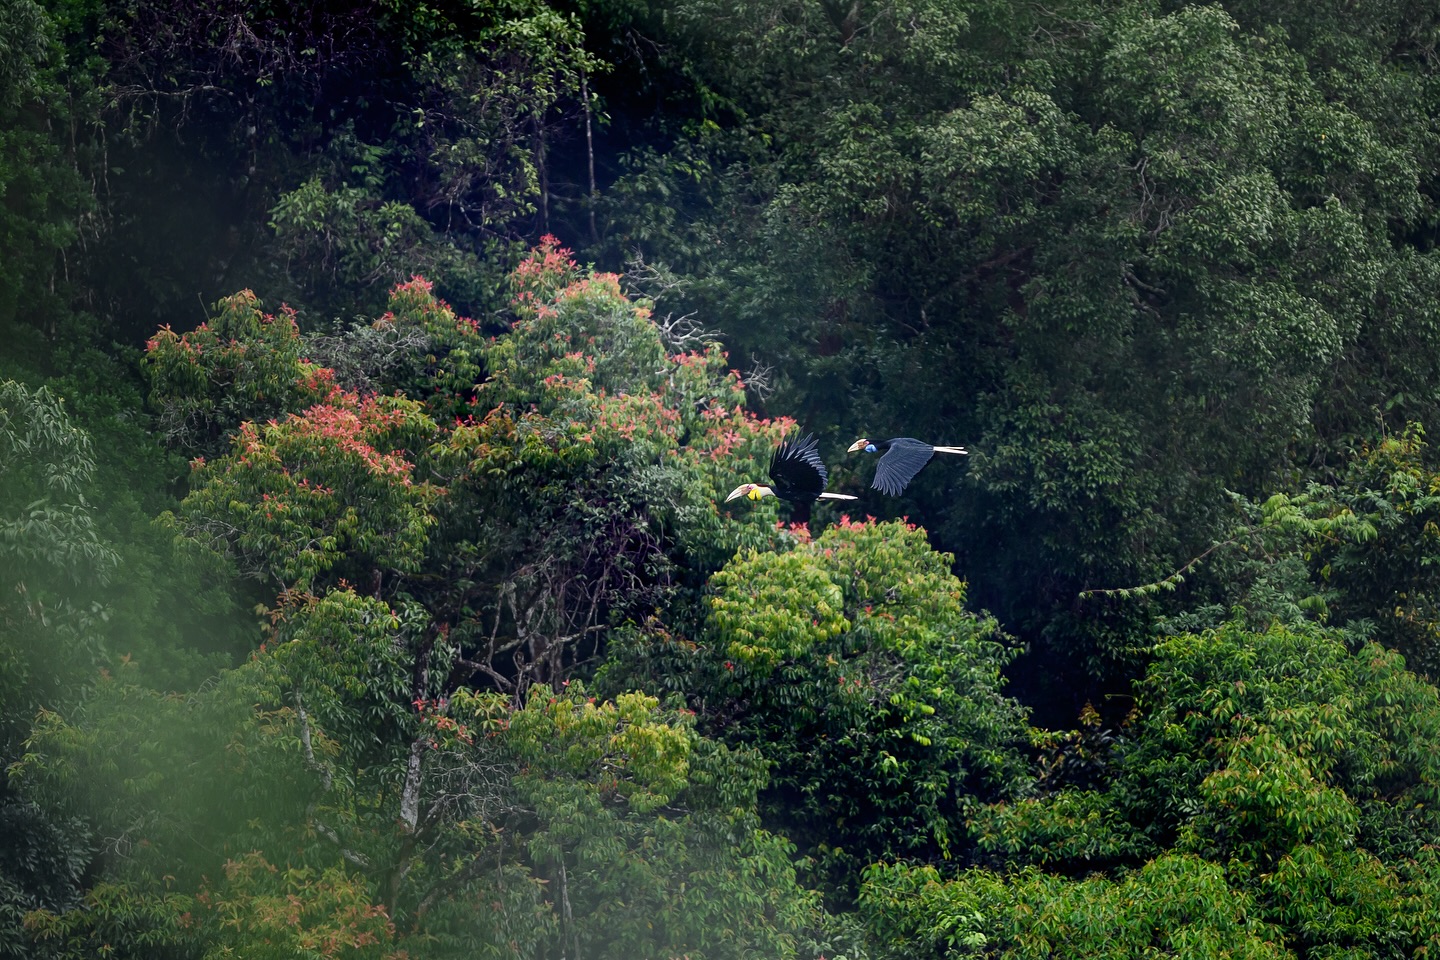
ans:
x=1175 y=905
x=342 y=658
x=573 y=450
x=1266 y=801
x=575 y=333
x=1264 y=731
x=1374 y=539
x=646 y=832
x=574 y=330
x=113 y=917
x=1266 y=773
x=330 y=487
x=854 y=667
x=1135 y=255
x=435 y=552
x=271 y=809
x=775 y=607
x=1071 y=831
x=435 y=356
x=623 y=747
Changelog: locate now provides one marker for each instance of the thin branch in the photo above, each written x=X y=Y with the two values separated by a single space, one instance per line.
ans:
x=590 y=155
x=1165 y=583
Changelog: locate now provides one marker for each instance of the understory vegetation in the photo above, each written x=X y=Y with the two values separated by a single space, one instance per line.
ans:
x=373 y=375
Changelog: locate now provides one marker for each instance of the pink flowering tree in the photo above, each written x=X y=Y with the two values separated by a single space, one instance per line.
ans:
x=446 y=527
x=526 y=491
x=588 y=480
x=327 y=491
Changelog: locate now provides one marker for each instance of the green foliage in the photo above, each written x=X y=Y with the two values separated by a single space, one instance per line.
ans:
x=852 y=666
x=595 y=775
x=382 y=776
x=51 y=634
x=626 y=815
x=24 y=39
x=1179 y=905
x=84 y=592
x=528 y=528
x=264 y=912
x=1274 y=739
x=50 y=547
x=115 y=919
x=1134 y=256
x=44 y=196
x=1355 y=552
x=1153 y=263
x=242 y=365
x=346 y=238
x=1271 y=780
x=44 y=456
x=327 y=487
x=1378 y=566
x=1071 y=831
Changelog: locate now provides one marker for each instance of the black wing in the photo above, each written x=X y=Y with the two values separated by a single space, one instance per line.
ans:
x=797 y=470
x=900 y=464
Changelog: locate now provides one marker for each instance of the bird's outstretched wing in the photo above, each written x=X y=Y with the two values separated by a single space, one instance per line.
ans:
x=900 y=463
x=797 y=470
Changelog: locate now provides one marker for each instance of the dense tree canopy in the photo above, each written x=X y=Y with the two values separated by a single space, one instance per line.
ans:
x=374 y=374
x=1135 y=255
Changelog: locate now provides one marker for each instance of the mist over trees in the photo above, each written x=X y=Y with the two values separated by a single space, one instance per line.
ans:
x=373 y=376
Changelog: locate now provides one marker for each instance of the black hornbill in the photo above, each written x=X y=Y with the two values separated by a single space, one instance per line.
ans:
x=797 y=472
x=901 y=458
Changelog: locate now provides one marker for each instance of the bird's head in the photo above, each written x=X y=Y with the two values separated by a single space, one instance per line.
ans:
x=862 y=444
x=752 y=491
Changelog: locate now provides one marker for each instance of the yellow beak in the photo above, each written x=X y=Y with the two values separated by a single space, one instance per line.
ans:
x=857 y=445
x=739 y=491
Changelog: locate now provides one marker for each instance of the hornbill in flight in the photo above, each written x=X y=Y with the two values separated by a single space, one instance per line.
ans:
x=797 y=472
x=901 y=458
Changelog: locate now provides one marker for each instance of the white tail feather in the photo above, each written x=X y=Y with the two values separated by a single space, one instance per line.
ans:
x=837 y=496
x=952 y=450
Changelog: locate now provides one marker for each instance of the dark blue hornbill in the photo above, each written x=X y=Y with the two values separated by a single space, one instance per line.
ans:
x=797 y=472
x=900 y=459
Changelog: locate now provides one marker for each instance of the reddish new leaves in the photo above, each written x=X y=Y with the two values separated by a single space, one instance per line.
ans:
x=332 y=487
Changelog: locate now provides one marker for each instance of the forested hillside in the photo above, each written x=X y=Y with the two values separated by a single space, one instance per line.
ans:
x=373 y=376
